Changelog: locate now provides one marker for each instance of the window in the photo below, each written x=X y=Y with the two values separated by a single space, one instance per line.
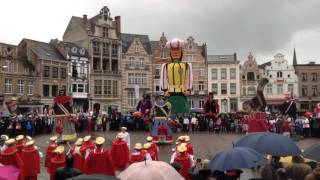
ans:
x=314 y=77
x=191 y=104
x=131 y=61
x=8 y=86
x=233 y=105
x=54 y=72
x=8 y=66
x=98 y=87
x=114 y=50
x=104 y=32
x=54 y=91
x=223 y=73
x=224 y=88
x=290 y=87
x=20 y=87
x=143 y=78
x=115 y=88
x=114 y=65
x=280 y=89
x=63 y=73
x=189 y=58
x=80 y=88
x=201 y=86
x=233 y=88
x=202 y=72
x=250 y=76
x=105 y=48
x=304 y=91
x=137 y=78
x=251 y=91
x=46 y=71
x=214 y=73
x=244 y=91
x=214 y=88
x=269 y=89
x=279 y=74
x=45 y=90
x=304 y=77
x=96 y=63
x=105 y=64
x=136 y=47
x=201 y=102
x=74 y=71
x=163 y=54
x=130 y=78
x=107 y=87
x=258 y=77
x=288 y=75
x=157 y=88
x=157 y=72
x=243 y=77
x=96 y=47
x=132 y=98
x=74 y=87
x=314 y=90
x=141 y=62
x=30 y=88
x=233 y=74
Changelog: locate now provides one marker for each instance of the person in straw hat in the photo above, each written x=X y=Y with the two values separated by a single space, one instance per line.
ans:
x=184 y=159
x=31 y=161
x=189 y=145
x=153 y=150
x=138 y=154
x=49 y=151
x=126 y=136
x=98 y=160
x=57 y=161
x=120 y=152
x=19 y=143
x=10 y=156
x=78 y=161
x=3 y=146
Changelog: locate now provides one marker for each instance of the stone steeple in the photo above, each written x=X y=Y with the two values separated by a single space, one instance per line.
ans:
x=294 y=57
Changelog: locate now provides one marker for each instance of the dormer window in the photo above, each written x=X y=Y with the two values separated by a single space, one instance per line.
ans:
x=136 y=47
x=279 y=74
x=105 y=32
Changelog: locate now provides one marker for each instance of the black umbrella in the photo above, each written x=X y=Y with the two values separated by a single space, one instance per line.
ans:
x=94 y=177
x=312 y=152
x=269 y=143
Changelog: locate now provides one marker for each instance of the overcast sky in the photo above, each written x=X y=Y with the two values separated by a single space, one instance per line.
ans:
x=263 y=27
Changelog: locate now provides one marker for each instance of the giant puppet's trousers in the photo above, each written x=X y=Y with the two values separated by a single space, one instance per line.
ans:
x=179 y=104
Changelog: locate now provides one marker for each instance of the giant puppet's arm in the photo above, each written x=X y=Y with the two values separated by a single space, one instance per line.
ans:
x=189 y=79
x=164 y=78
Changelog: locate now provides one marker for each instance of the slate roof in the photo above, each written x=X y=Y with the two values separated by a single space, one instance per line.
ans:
x=45 y=50
x=262 y=66
x=153 y=45
x=128 y=38
x=227 y=58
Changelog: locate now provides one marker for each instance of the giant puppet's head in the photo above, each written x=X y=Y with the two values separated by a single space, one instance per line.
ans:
x=175 y=46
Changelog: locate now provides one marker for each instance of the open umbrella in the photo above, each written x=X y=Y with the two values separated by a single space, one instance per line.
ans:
x=8 y=172
x=269 y=143
x=93 y=177
x=150 y=170
x=235 y=158
x=312 y=152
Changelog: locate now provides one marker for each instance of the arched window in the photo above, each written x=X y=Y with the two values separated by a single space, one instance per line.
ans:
x=279 y=74
x=251 y=90
x=250 y=76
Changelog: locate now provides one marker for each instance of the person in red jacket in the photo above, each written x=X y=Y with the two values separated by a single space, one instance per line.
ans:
x=285 y=128
x=120 y=153
x=153 y=149
x=31 y=161
x=137 y=155
x=19 y=143
x=49 y=152
x=78 y=161
x=162 y=130
x=10 y=157
x=184 y=159
x=189 y=145
x=98 y=160
x=57 y=161
x=87 y=144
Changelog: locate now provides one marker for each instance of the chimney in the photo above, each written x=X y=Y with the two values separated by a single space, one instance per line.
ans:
x=85 y=19
x=118 y=25
x=235 y=56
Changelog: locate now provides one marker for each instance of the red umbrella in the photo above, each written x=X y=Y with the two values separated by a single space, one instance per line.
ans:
x=8 y=172
x=308 y=113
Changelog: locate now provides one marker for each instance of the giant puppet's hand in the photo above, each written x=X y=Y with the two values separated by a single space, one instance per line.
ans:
x=186 y=93
x=167 y=94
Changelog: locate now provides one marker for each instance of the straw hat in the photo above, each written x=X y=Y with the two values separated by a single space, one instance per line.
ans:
x=187 y=138
x=86 y=138
x=180 y=138
x=100 y=140
x=4 y=137
x=137 y=146
x=124 y=128
x=9 y=142
x=53 y=138
x=19 y=138
x=28 y=138
x=78 y=142
x=120 y=135
x=149 y=138
x=182 y=147
x=59 y=150
x=146 y=146
x=29 y=143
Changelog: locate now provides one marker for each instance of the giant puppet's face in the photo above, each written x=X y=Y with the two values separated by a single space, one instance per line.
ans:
x=176 y=53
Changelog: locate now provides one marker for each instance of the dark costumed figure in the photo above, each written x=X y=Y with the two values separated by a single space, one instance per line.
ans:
x=256 y=109
x=64 y=121
x=211 y=110
x=289 y=108
x=176 y=78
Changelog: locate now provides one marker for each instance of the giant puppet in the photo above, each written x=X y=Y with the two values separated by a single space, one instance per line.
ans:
x=176 y=78
x=62 y=109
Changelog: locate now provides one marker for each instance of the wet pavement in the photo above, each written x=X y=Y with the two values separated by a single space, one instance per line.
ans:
x=205 y=145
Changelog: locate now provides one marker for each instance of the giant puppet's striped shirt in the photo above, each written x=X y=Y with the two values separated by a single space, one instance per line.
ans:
x=176 y=77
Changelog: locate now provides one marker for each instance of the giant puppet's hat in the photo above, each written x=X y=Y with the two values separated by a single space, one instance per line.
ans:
x=175 y=44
